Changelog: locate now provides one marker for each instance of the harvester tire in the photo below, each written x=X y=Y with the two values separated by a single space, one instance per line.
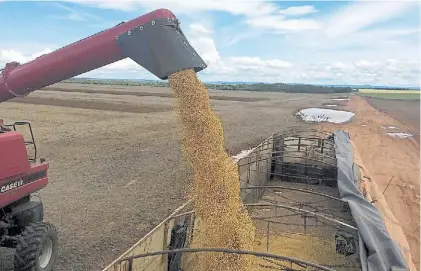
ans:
x=36 y=248
x=6 y=259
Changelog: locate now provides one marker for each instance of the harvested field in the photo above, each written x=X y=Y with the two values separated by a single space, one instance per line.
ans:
x=386 y=158
x=405 y=111
x=98 y=105
x=154 y=94
x=390 y=94
x=142 y=91
x=116 y=171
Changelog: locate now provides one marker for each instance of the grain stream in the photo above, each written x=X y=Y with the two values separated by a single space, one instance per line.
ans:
x=224 y=222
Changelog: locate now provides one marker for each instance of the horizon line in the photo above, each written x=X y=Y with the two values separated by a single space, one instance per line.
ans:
x=257 y=82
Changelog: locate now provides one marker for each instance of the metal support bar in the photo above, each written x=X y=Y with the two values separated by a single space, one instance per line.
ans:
x=299 y=143
x=303 y=211
x=267 y=238
x=294 y=189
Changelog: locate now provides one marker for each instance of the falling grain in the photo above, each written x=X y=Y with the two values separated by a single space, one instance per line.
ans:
x=224 y=222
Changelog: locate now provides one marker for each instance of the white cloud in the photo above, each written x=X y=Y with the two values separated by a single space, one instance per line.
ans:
x=373 y=43
x=244 y=35
x=362 y=30
x=261 y=14
x=341 y=66
x=248 y=8
x=278 y=22
x=206 y=48
x=363 y=64
x=298 y=10
x=201 y=40
x=43 y=52
x=387 y=72
x=73 y=14
x=252 y=68
x=361 y=14
x=123 y=65
x=345 y=47
x=199 y=29
x=258 y=62
x=116 y=5
x=9 y=55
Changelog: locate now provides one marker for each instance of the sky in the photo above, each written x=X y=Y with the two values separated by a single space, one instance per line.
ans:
x=354 y=42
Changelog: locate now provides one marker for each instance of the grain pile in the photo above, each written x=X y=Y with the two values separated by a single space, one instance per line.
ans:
x=223 y=220
x=312 y=248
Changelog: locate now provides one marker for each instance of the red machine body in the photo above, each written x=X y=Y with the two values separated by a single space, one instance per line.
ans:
x=153 y=40
x=85 y=55
x=18 y=177
x=13 y=154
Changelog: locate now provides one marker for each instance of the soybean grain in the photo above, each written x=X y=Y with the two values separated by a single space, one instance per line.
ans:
x=224 y=222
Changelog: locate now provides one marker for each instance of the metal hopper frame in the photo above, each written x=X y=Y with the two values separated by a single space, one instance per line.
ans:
x=291 y=185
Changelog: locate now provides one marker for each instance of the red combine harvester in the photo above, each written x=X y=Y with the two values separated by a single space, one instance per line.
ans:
x=154 y=41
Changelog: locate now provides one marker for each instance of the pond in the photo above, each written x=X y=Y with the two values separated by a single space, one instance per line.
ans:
x=324 y=115
x=340 y=99
x=399 y=135
x=390 y=127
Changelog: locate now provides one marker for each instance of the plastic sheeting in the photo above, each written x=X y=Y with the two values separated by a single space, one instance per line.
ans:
x=378 y=252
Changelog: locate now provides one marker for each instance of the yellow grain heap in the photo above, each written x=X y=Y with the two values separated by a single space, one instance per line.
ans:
x=310 y=247
x=223 y=220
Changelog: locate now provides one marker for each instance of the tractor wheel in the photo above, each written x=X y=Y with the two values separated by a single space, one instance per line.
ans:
x=6 y=259
x=37 y=248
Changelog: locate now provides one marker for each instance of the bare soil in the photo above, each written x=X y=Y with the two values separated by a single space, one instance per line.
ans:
x=116 y=169
x=99 y=105
x=405 y=111
x=146 y=93
x=386 y=157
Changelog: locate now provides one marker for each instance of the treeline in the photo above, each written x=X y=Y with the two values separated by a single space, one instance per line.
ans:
x=116 y=82
x=389 y=88
x=279 y=87
x=276 y=87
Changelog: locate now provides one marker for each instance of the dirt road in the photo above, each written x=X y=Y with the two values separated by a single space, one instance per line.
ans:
x=115 y=164
x=386 y=157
